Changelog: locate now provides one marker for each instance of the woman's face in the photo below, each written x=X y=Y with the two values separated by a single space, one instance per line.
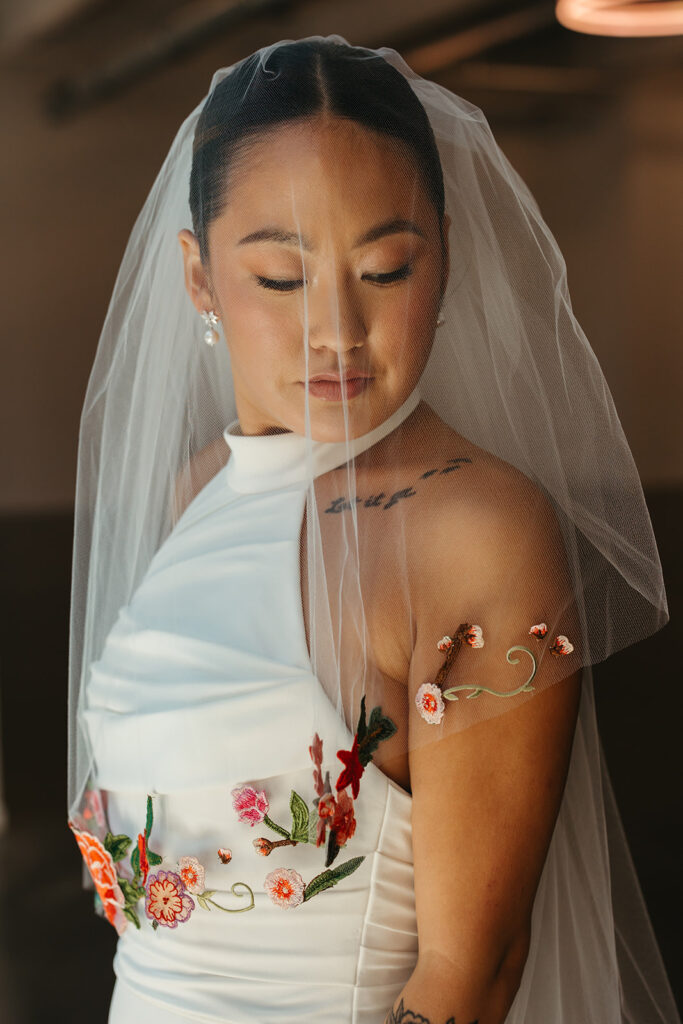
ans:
x=326 y=259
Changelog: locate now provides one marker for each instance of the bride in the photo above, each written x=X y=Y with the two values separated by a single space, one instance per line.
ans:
x=353 y=492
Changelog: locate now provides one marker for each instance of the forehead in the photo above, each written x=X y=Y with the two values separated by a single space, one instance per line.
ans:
x=322 y=163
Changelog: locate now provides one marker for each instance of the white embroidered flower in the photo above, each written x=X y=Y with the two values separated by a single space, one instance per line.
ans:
x=430 y=703
x=285 y=886
x=445 y=643
x=474 y=636
x=540 y=630
x=561 y=645
x=192 y=874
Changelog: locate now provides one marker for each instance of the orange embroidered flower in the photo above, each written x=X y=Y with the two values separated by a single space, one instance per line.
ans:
x=103 y=873
x=263 y=846
x=445 y=643
x=192 y=874
x=285 y=886
x=429 y=703
x=144 y=862
x=561 y=645
x=225 y=856
x=539 y=631
x=326 y=806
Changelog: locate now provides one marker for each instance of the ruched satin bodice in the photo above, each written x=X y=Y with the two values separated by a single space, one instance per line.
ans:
x=196 y=693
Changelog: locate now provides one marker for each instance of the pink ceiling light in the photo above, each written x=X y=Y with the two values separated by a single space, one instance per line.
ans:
x=622 y=17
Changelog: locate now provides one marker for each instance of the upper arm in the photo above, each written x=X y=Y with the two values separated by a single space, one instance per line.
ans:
x=487 y=785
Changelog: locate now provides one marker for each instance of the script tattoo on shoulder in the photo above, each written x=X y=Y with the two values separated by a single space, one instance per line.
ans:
x=384 y=501
x=402 y=1016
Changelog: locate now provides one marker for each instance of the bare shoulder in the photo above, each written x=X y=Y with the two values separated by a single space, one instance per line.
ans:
x=471 y=495
x=196 y=474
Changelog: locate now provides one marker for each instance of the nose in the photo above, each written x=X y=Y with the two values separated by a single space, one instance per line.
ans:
x=335 y=314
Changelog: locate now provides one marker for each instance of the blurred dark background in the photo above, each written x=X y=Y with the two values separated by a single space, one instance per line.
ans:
x=91 y=95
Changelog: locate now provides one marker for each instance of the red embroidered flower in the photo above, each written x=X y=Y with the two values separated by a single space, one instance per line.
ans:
x=225 y=856
x=326 y=806
x=561 y=645
x=445 y=643
x=103 y=873
x=251 y=806
x=539 y=631
x=316 y=752
x=166 y=900
x=344 y=821
x=144 y=863
x=353 y=770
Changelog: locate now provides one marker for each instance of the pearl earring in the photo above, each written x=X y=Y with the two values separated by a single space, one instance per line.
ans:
x=441 y=319
x=210 y=319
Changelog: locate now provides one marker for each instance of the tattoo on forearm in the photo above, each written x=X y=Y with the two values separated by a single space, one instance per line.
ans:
x=402 y=1016
x=380 y=500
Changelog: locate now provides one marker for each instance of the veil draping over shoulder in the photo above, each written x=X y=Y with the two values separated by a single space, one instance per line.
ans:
x=473 y=527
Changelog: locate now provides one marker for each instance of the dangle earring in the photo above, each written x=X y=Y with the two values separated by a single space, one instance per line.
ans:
x=210 y=319
x=441 y=319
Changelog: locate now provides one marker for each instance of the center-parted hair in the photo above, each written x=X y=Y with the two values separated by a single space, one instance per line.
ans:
x=296 y=81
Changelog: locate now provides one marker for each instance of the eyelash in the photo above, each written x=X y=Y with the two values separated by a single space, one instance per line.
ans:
x=286 y=285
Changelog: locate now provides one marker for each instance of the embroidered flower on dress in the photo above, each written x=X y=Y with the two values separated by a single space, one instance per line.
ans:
x=285 y=886
x=252 y=806
x=264 y=846
x=100 y=864
x=225 y=856
x=344 y=821
x=94 y=808
x=430 y=703
x=540 y=631
x=561 y=645
x=353 y=770
x=166 y=900
x=445 y=643
x=192 y=874
x=142 y=852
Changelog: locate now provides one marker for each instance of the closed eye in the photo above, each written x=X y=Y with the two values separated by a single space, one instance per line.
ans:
x=288 y=284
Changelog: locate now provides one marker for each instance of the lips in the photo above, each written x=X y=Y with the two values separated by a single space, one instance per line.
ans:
x=349 y=375
x=332 y=387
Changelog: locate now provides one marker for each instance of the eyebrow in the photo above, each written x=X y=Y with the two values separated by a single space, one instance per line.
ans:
x=396 y=226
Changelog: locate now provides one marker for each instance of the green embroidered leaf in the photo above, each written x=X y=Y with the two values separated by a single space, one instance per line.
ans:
x=150 y=817
x=131 y=914
x=362 y=728
x=299 y=809
x=328 y=878
x=135 y=861
x=117 y=846
x=333 y=848
x=155 y=925
x=379 y=728
x=131 y=892
x=154 y=858
x=276 y=828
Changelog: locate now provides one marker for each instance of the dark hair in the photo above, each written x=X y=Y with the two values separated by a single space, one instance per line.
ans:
x=295 y=81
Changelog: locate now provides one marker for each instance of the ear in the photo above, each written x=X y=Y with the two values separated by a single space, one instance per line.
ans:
x=445 y=224
x=196 y=277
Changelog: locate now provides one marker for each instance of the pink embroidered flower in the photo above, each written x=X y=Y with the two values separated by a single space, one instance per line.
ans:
x=344 y=822
x=539 y=631
x=263 y=846
x=473 y=636
x=285 y=886
x=102 y=870
x=225 y=856
x=561 y=645
x=192 y=874
x=445 y=643
x=166 y=900
x=353 y=770
x=250 y=805
x=316 y=752
x=429 y=702
x=144 y=863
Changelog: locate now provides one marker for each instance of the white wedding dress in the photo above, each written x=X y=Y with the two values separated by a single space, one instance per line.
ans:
x=171 y=707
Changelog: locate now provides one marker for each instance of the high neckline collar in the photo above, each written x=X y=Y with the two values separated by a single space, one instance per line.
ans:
x=267 y=462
